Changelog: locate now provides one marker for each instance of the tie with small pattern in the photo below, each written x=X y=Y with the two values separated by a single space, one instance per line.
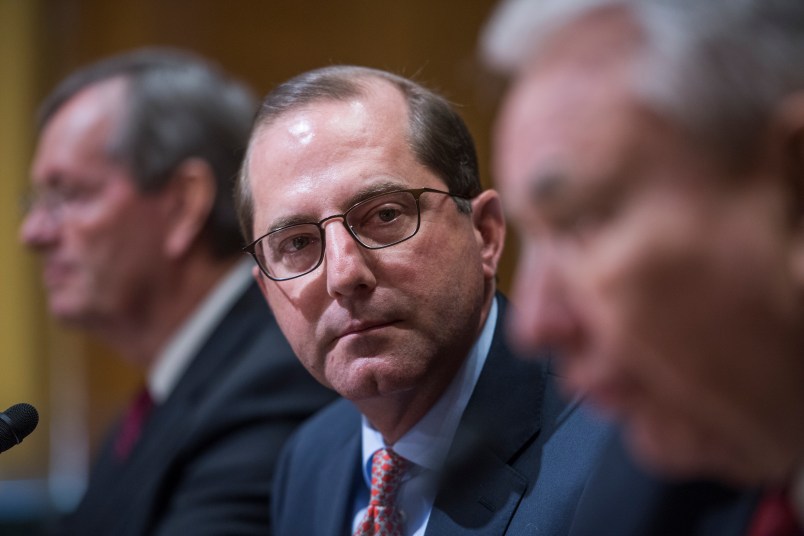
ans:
x=382 y=518
x=775 y=516
x=132 y=424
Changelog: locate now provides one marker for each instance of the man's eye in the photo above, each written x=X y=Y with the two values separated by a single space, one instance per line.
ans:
x=296 y=243
x=387 y=214
x=588 y=220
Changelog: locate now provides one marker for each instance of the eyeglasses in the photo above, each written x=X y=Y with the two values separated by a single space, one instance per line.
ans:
x=57 y=202
x=375 y=223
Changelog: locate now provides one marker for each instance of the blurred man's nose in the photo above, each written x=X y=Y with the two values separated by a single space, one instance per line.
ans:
x=543 y=317
x=39 y=228
x=345 y=262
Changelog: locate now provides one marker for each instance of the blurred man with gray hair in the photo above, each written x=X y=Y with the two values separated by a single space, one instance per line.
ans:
x=652 y=155
x=133 y=217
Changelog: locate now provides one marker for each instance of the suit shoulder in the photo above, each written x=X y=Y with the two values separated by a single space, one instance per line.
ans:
x=334 y=425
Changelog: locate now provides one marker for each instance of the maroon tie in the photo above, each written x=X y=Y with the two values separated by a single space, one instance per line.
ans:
x=382 y=517
x=132 y=423
x=775 y=517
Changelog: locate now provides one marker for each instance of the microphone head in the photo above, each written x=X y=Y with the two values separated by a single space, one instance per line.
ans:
x=16 y=423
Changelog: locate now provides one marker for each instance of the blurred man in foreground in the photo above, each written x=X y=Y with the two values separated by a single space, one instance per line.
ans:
x=652 y=155
x=133 y=218
x=377 y=250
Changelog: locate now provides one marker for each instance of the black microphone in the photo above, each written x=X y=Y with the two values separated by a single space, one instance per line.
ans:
x=16 y=423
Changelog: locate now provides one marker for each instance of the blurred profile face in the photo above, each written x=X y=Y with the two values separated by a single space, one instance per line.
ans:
x=368 y=323
x=662 y=280
x=98 y=238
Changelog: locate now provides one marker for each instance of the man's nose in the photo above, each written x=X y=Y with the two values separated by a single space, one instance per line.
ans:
x=347 y=265
x=543 y=316
x=39 y=227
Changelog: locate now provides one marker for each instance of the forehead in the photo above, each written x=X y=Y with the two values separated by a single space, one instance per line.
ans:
x=571 y=113
x=79 y=132
x=315 y=159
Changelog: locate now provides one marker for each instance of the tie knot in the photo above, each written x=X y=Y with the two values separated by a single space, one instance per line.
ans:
x=387 y=469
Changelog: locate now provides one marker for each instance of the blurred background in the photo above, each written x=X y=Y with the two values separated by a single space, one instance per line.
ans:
x=76 y=384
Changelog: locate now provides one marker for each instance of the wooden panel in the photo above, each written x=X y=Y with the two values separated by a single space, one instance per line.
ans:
x=265 y=42
x=21 y=360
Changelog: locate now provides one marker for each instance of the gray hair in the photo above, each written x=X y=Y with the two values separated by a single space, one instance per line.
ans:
x=717 y=68
x=437 y=135
x=178 y=106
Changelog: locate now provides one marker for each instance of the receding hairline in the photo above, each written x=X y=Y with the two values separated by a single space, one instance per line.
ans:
x=361 y=86
x=107 y=97
x=365 y=81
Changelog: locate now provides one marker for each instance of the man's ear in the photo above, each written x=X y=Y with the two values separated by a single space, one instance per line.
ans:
x=192 y=192
x=489 y=223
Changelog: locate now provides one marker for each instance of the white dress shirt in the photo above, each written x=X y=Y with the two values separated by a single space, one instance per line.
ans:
x=426 y=444
x=176 y=355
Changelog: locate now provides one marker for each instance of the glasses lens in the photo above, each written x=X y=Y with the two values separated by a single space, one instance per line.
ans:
x=290 y=251
x=385 y=219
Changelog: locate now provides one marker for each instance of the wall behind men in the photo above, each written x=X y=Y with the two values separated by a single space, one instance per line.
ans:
x=80 y=384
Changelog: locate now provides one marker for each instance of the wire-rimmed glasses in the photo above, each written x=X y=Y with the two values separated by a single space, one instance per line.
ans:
x=377 y=222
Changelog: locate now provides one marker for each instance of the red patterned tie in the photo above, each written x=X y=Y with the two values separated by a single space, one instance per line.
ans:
x=132 y=425
x=382 y=518
x=775 y=517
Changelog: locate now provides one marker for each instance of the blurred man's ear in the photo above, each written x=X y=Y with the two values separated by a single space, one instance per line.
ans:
x=790 y=118
x=192 y=194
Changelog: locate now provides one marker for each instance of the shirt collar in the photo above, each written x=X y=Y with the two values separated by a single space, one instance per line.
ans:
x=176 y=355
x=427 y=443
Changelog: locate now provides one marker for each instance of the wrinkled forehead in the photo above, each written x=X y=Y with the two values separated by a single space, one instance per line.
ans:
x=563 y=116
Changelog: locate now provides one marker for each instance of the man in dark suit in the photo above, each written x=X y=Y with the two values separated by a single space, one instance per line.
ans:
x=133 y=218
x=377 y=250
x=652 y=154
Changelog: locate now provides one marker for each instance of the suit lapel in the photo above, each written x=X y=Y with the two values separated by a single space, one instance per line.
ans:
x=168 y=425
x=484 y=481
x=336 y=491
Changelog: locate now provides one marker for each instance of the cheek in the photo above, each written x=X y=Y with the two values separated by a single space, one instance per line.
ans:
x=94 y=248
x=640 y=280
x=663 y=290
x=430 y=266
x=298 y=312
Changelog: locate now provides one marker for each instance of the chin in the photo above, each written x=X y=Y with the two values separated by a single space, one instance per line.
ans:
x=69 y=313
x=376 y=377
x=665 y=453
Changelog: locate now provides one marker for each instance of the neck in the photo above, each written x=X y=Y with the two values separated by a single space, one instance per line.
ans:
x=394 y=415
x=140 y=335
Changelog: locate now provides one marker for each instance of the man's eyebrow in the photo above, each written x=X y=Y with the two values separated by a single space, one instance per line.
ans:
x=372 y=190
x=361 y=195
x=287 y=221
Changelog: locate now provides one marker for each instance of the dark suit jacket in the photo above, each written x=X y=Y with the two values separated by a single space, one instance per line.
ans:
x=204 y=461
x=621 y=499
x=517 y=465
